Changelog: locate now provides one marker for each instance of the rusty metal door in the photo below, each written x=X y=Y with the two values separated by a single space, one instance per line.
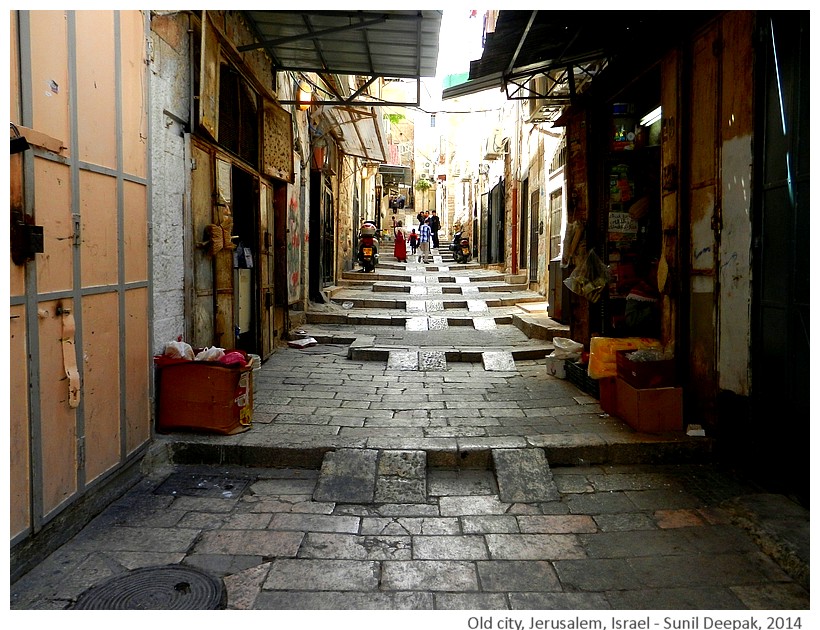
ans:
x=704 y=202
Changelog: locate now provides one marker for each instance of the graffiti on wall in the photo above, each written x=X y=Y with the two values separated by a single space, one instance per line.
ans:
x=294 y=241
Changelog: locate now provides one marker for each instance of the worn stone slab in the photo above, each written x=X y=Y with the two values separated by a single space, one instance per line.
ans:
x=462 y=280
x=429 y=575
x=498 y=361
x=400 y=490
x=347 y=476
x=449 y=548
x=315 y=523
x=402 y=360
x=477 y=306
x=432 y=360
x=415 y=306
x=249 y=542
x=418 y=324
x=468 y=290
x=354 y=547
x=435 y=290
x=518 y=575
x=484 y=323
x=524 y=476
x=436 y=322
x=534 y=547
x=335 y=600
x=434 y=306
x=418 y=290
x=410 y=525
x=323 y=575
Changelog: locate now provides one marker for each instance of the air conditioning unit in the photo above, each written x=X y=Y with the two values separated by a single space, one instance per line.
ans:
x=537 y=85
x=494 y=146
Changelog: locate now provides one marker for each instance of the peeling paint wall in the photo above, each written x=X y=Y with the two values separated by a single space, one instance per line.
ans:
x=734 y=272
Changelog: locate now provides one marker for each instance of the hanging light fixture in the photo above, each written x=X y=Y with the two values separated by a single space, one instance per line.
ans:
x=305 y=95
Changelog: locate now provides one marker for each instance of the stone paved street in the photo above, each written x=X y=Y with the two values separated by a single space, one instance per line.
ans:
x=396 y=466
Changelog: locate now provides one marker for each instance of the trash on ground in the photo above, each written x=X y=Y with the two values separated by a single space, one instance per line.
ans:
x=302 y=343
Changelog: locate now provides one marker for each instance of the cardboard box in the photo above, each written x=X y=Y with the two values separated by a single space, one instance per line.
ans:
x=645 y=374
x=204 y=396
x=555 y=367
x=652 y=410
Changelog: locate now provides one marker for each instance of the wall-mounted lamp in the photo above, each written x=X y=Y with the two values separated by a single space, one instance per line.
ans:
x=305 y=95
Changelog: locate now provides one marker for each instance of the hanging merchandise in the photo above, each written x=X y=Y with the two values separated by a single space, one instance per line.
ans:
x=589 y=278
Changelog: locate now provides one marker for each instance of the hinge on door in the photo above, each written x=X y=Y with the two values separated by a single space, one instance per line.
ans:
x=717 y=222
x=80 y=453
x=193 y=164
x=75 y=226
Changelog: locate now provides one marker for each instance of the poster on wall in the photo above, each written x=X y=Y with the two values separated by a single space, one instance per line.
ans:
x=294 y=240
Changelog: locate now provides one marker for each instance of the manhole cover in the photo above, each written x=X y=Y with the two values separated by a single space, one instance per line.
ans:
x=156 y=588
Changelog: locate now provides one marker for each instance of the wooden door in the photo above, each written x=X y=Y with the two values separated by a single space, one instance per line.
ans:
x=266 y=270
x=202 y=288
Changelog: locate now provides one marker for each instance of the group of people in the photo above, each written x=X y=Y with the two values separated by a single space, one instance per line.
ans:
x=422 y=242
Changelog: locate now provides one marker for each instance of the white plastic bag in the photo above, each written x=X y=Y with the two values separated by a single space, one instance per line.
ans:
x=210 y=354
x=566 y=348
x=178 y=350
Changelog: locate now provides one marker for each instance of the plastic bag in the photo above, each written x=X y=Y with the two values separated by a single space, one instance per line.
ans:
x=210 y=354
x=566 y=348
x=589 y=278
x=178 y=350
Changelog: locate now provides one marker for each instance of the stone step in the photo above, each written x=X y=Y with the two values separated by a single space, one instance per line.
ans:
x=523 y=475
x=363 y=476
x=372 y=476
x=401 y=302
x=451 y=287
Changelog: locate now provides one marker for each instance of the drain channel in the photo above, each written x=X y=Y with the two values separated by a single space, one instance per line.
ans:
x=170 y=587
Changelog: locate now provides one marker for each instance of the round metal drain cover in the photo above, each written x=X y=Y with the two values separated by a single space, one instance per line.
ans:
x=170 y=587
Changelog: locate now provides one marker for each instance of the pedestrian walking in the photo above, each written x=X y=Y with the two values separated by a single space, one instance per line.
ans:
x=414 y=241
x=435 y=226
x=400 y=243
x=425 y=238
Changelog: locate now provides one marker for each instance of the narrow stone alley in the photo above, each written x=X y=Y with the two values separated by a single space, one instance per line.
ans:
x=419 y=456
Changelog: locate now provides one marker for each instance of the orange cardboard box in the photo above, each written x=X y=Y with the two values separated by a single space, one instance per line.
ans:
x=650 y=410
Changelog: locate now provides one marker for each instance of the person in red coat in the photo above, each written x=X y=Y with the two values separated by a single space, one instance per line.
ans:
x=400 y=243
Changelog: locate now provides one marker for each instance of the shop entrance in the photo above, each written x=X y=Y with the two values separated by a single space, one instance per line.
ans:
x=630 y=226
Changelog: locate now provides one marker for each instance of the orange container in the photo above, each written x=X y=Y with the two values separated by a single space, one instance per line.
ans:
x=205 y=396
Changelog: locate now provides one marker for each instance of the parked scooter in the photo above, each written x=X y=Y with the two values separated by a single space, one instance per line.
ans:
x=460 y=248
x=368 y=253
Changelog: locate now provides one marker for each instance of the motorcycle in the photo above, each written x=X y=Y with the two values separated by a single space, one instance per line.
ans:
x=460 y=248
x=368 y=252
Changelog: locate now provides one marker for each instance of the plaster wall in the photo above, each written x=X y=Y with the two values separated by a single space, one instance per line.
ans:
x=170 y=105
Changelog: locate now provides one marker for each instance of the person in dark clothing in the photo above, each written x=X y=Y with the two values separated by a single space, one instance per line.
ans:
x=435 y=226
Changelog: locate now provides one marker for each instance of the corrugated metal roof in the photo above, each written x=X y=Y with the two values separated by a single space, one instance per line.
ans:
x=567 y=47
x=398 y=44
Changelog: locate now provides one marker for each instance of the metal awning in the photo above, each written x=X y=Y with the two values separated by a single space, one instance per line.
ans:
x=357 y=131
x=553 y=56
x=372 y=44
